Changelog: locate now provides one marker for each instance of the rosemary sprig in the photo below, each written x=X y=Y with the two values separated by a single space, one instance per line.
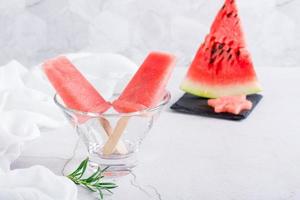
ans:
x=94 y=182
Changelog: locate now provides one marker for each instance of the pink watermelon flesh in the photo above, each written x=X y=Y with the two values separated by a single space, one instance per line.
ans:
x=126 y=107
x=147 y=87
x=230 y=104
x=76 y=92
x=222 y=65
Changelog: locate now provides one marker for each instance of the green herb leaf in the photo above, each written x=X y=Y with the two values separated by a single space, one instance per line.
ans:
x=94 y=183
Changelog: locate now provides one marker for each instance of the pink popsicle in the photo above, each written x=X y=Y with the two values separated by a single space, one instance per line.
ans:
x=147 y=87
x=76 y=92
x=145 y=90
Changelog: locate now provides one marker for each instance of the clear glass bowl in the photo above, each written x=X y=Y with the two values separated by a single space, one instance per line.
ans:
x=113 y=139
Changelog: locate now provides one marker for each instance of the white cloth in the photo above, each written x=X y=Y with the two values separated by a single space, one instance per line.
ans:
x=16 y=95
x=14 y=131
x=26 y=107
x=36 y=183
x=23 y=111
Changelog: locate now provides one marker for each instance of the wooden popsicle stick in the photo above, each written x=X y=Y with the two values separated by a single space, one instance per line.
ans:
x=120 y=146
x=112 y=142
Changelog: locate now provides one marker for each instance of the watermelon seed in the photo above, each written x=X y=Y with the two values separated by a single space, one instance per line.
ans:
x=229 y=14
x=213 y=51
x=229 y=57
x=223 y=6
x=211 y=61
x=235 y=15
x=221 y=46
x=228 y=50
x=238 y=53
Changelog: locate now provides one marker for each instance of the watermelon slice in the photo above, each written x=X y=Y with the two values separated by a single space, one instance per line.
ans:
x=72 y=87
x=147 y=87
x=222 y=65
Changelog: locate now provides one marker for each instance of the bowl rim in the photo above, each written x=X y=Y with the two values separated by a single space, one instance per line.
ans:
x=162 y=103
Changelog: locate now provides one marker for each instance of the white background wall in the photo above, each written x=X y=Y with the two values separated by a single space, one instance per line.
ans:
x=32 y=30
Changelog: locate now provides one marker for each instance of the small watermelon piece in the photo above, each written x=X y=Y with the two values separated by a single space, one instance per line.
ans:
x=222 y=65
x=147 y=87
x=230 y=104
x=72 y=87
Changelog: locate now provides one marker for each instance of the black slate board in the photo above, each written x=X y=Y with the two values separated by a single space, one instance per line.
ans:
x=191 y=104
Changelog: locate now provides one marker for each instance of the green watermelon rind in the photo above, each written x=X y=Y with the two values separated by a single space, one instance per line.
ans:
x=204 y=90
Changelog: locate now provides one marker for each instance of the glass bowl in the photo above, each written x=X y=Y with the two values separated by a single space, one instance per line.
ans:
x=113 y=139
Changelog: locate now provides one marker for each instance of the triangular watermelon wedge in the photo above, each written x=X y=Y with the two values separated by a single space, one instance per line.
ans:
x=222 y=65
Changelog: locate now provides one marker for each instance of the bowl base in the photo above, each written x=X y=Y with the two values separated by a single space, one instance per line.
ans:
x=117 y=165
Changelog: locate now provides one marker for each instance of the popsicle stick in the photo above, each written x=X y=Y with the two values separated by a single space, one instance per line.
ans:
x=106 y=126
x=113 y=139
x=120 y=146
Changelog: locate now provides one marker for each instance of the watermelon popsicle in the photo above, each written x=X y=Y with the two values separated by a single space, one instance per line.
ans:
x=147 y=87
x=76 y=92
x=145 y=90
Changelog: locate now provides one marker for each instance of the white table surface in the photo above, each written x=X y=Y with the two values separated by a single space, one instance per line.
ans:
x=188 y=157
